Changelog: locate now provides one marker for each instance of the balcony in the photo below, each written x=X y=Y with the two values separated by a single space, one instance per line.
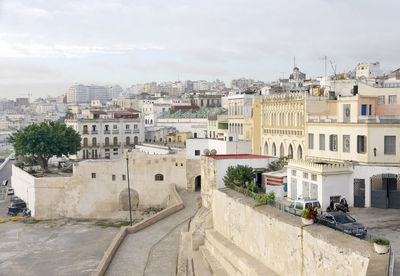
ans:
x=94 y=132
x=115 y=131
x=85 y=132
x=115 y=144
x=107 y=132
x=135 y=130
x=128 y=131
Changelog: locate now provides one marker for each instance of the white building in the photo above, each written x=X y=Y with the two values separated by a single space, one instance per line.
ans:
x=107 y=137
x=197 y=147
x=368 y=70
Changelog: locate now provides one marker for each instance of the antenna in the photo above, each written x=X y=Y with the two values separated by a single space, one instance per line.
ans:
x=334 y=74
x=294 y=61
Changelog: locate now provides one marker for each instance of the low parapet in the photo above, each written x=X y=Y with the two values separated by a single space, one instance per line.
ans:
x=320 y=165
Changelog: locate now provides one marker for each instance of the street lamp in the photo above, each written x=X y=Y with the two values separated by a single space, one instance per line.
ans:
x=129 y=188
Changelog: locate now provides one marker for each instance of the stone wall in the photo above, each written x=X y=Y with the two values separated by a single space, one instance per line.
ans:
x=280 y=242
x=95 y=187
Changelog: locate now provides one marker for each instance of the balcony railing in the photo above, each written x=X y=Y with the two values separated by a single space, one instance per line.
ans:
x=135 y=130
x=85 y=132
x=94 y=132
x=107 y=132
x=115 y=131
x=128 y=131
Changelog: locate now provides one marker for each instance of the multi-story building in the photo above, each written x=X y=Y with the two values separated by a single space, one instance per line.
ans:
x=218 y=126
x=203 y=99
x=239 y=109
x=79 y=93
x=368 y=70
x=107 y=136
x=352 y=151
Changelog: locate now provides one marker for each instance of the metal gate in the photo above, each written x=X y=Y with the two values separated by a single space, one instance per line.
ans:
x=384 y=191
x=359 y=192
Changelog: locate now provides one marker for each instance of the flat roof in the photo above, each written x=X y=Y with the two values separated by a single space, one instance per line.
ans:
x=238 y=156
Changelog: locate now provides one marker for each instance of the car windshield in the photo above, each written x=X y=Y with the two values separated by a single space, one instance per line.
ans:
x=342 y=219
x=316 y=204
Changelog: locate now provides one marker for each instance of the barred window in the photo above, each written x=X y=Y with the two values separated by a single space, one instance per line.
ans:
x=393 y=99
x=333 y=142
x=310 y=140
x=322 y=142
x=361 y=144
x=390 y=145
x=159 y=177
x=346 y=143
x=381 y=99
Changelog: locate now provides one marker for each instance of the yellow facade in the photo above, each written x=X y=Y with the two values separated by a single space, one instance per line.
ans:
x=179 y=137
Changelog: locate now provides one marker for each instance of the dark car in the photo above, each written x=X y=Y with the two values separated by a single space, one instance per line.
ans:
x=343 y=222
x=20 y=204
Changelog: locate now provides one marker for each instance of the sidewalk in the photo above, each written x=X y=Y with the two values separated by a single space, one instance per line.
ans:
x=154 y=250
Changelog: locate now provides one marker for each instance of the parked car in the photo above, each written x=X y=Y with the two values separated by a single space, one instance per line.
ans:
x=299 y=205
x=10 y=191
x=12 y=156
x=14 y=198
x=342 y=222
x=20 y=204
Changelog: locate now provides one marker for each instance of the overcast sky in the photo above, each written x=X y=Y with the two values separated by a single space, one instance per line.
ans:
x=46 y=46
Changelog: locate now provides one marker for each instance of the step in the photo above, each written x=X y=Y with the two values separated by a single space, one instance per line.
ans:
x=214 y=266
x=233 y=259
x=200 y=265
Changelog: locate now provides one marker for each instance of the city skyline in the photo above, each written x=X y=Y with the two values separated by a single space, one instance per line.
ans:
x=47 y=47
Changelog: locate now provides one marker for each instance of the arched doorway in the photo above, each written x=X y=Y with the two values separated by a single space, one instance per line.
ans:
x=385 y=192
x=136 y=140
x=299 y=153
x=124 y=200
x=281 y=151
x=197 y=183
x=266 y=148
x=290 y=152
x=273 y=149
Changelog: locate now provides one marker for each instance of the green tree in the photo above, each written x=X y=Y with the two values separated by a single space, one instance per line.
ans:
x=45 y=140
x=238 y=175
x=278 y=165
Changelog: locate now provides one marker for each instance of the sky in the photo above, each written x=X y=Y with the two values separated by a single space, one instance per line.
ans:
x=46 y=46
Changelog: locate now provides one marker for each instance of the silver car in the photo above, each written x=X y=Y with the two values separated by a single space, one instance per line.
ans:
x=299 y=205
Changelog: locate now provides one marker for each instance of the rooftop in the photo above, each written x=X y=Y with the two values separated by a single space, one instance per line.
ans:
x=238 y=156
x=201 y=113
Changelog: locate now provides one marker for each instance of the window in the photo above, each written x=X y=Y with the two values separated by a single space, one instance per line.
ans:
x=294 y=172
x=305 y=175
x=333 y=142
x=361 y=144
x=310 y=140
x=381 y=99
x=363 y=109
x=370 y=110
x=346 y=143
x=115 y=151
x=314 y=177
x=127 y=127
x=115 y=127
x=390 y=145
x=197 y=152
x=179 y=139
x=113 y=177
x=159 y=177
x=107 y=127
x=93 y=127
x=392 y=99
x=322 y=142
x=93 y=175
x=135 y=126
x=123 y=177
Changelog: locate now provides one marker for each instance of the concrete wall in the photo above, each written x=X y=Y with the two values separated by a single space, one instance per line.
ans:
x=84 y=196
x=280 y=241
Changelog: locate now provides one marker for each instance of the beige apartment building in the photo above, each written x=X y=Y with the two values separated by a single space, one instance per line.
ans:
x=107 y=137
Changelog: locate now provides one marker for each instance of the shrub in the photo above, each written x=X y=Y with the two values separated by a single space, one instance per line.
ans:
x=271 y=197
x=20 y=165
x=381 y=241
x=238 y=175
x=252 y=187
x=305 y=213
x=31 y=171
x=309 y=213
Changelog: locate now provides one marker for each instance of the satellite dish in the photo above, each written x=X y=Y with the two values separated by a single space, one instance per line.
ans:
x=213 y=152
x=206 y=152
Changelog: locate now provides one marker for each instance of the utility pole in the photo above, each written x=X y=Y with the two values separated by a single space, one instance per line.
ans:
x=129 y=190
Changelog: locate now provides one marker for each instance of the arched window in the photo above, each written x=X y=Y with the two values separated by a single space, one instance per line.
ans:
x=158 y=177
x=266 y=148
x=85 y=142
x=273 y=149
x=94 y=142
x=128 y=140
x=115 y=141
x=281 y=151
x=107 y=141
x=290 y=152
x=299 y=153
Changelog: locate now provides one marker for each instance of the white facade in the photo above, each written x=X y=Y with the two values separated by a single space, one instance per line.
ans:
x=106 y=138
x=368 y=70
x=198 y=126
x=239 y=108
x=196 y=147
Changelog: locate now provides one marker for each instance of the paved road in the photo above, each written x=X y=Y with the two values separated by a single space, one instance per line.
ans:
x=382 y=223
x=154 y=250
x=5 y=173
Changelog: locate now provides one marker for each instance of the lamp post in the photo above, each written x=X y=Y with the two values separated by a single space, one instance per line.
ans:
x=129 y=190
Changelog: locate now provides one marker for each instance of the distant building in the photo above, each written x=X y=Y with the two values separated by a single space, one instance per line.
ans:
x=368 y=70
x=22 y=101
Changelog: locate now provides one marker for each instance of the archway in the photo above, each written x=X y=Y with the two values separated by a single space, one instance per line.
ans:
x=273 y=149
x=290 y=152
x=299 y=153
x=124 y=200
x=266 y=148
x=281 y=151
x=197 y=183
